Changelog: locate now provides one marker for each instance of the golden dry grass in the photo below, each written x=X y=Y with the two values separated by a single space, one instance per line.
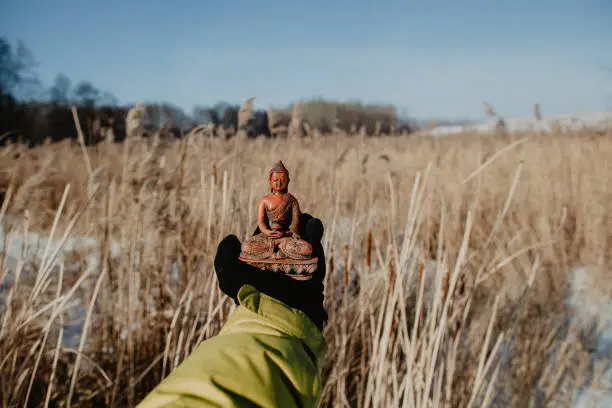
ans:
x=449 y=262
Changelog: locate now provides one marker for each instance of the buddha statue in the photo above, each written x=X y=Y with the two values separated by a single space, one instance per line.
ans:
x=277 y=244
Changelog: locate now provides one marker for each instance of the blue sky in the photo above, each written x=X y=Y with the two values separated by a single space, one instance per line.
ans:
x=432 y=59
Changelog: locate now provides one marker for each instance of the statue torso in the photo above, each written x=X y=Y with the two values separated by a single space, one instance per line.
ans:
x=278 y=210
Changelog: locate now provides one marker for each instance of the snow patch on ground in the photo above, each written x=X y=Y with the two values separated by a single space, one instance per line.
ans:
x=595 y=120
x=32 y=247
x=589 y=299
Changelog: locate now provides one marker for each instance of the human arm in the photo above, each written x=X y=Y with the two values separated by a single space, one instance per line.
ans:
x=271 y=350
x=266 y=355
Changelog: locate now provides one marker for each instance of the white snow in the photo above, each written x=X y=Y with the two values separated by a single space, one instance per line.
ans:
x=588 y=298
x=595 y=120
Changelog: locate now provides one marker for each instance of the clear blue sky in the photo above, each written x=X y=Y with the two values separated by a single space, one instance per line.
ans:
x=436 y=60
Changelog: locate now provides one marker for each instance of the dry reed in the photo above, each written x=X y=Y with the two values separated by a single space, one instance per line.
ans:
x=456 y=298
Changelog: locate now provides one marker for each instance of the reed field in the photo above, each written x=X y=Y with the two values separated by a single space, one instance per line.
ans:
x=458 y=267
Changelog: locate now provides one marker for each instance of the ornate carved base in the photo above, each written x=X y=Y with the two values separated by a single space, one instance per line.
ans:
x=296 y=269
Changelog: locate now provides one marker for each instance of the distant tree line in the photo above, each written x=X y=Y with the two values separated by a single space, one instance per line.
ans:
x=32 y=113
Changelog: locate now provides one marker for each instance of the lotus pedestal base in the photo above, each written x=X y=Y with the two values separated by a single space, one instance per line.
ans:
x=296 y=269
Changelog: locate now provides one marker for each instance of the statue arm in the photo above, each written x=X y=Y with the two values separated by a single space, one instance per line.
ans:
x=261 y=217
x=295 y=219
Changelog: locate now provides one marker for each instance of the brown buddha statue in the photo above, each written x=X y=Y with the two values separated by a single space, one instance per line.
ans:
x=278 y=246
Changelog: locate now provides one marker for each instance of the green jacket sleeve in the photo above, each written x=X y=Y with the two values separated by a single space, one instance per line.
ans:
x=266 y=355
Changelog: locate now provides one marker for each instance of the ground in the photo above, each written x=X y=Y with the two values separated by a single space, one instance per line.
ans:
x=514 y=230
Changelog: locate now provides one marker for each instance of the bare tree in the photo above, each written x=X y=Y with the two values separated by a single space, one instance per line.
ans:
x=17 y=67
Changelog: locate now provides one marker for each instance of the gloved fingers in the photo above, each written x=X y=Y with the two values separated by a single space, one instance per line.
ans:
x=304 y=218
x=314 y=231
x=313 y=234
x=228 y=251
x=229 y=272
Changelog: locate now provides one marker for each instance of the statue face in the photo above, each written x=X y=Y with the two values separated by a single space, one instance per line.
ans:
x=279 y=181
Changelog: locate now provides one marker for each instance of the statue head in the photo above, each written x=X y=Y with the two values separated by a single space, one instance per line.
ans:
x=279 y=178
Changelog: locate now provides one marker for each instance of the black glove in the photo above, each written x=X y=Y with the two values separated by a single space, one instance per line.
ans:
x=306 y=296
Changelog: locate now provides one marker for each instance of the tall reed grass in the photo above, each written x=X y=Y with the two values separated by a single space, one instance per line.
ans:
x=448 y=263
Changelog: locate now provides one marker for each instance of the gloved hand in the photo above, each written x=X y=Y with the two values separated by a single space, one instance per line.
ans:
x=306 y=296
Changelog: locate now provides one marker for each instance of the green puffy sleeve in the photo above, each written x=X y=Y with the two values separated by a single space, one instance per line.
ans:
x=266 y=355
